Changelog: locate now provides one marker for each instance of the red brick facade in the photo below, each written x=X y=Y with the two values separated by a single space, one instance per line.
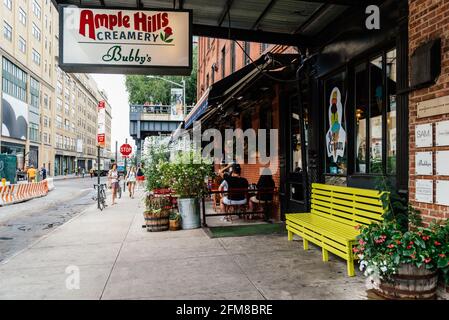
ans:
x=429 y=19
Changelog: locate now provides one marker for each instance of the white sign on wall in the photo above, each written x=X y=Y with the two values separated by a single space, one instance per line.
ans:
x=423 y=135
x=424 y=191
x=442 y=194
x=442 y=163
x=442 y=134
x=424 y=163
x=125 y=41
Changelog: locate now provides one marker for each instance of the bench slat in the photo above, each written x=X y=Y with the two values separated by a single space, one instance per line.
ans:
x=343 y=232
x=350 y=210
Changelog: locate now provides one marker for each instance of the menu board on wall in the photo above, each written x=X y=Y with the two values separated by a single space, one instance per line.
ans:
x=424 y=135
x=442 y=134
x=424 y=163
x=442 y=163
x=424 y=191
x=442 y=196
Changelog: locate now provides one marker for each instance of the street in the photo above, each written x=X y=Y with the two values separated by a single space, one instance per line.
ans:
x=22 y=224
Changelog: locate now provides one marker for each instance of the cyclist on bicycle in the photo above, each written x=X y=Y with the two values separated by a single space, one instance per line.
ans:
x=114 y=180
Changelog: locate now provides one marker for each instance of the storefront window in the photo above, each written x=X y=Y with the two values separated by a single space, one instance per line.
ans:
x=295 y=139
x=335 y=125
x=391 y=111
x=361 y=114
x=375 y=99
x=376 y=105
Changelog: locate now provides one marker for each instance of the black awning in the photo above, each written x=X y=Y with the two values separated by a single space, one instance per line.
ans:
x=219 y=90
x=230 y=87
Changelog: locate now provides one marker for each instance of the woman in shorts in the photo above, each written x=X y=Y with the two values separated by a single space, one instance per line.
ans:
x=131 y=181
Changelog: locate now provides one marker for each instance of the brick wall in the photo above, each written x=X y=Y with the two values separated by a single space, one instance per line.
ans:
x=429 y=19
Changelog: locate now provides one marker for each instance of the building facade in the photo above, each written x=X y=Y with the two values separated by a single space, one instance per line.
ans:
x=364 y=81
x=48 y=116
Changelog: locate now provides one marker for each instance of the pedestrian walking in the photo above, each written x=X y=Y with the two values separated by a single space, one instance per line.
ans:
x=131 y=181
x=140 y=177
x=83 y=172
x=31 y=173
x=43 y=172
x=113 y=180
x=91 y=172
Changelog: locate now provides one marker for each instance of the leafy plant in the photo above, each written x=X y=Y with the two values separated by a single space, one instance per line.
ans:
x=402 y=239
x=186 y=174
x=175 y=216
x=152 y=168
x=383 y=247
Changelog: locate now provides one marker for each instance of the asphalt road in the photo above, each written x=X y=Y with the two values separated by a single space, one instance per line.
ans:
x=22 y=224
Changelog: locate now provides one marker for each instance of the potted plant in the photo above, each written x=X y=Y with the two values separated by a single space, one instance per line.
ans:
x=404 y=260
x=157 y=212
x=186 y=176
x=153 y=175
x=175 y=221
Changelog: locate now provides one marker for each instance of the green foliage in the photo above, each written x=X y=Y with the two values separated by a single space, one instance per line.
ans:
x=397 y=209
x=186 y=174
x=382 y=248
x=153 y=175
x=142 y=89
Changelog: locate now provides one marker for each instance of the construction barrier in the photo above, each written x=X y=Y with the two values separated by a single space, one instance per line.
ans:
x=15 y=193
x=50 y=184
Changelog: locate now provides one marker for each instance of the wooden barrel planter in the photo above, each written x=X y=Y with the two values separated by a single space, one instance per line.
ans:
x=157 y=213
x=410 y=283
x=157 y=221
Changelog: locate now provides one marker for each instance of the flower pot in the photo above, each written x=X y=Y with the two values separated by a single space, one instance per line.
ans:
x=189 y=209
x=156 y=222
x=174 y=225
x=410 y=283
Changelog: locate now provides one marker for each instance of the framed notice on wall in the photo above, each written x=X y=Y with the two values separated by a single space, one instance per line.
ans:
x=442 y=163
x=442 y=194
x=424 y=163
x=424 y=135
x=442 y=134
x=424 y=191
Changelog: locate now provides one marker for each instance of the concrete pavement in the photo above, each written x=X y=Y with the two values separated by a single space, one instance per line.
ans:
x=116 y=259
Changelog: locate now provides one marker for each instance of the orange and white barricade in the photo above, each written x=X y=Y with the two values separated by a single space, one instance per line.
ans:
x=22 y=192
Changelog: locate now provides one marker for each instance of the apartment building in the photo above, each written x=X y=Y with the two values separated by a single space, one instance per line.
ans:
x=48 y=116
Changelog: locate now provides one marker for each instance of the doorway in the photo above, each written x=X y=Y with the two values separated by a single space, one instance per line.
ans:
x=294 y=177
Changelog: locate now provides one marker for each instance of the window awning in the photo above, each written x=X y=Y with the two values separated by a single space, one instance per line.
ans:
x=224 y=88
x=198 y=110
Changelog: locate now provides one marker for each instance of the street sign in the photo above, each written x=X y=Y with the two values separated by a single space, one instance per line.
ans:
x=126 y=150
x=99 y=40
x=101 y=129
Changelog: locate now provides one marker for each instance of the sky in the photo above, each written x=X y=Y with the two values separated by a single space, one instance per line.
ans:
x=114 y=86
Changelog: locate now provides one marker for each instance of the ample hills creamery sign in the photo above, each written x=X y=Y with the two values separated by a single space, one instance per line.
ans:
x=125 y=41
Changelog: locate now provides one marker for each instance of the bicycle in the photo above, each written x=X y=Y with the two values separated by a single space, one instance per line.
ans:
x=102 y=194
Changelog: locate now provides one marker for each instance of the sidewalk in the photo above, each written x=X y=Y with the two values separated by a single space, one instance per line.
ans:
x=117 y=259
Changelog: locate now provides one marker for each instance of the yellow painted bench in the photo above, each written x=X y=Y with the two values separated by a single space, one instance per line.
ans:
x=335 y=213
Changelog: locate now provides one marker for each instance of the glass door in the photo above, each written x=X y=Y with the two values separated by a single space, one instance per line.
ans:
x=297 y=154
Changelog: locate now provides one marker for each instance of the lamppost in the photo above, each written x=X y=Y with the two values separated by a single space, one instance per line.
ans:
x=183 y=86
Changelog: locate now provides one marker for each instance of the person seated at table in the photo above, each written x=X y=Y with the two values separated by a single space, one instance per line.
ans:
x=237 y=188
x=265 y=189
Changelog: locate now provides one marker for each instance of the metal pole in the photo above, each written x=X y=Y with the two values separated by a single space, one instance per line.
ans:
x=125 y=171
x=116 y=154
x=184 y=96
x=98 y=176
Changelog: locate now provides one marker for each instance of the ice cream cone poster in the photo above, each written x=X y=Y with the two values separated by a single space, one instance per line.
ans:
x=336 y=136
